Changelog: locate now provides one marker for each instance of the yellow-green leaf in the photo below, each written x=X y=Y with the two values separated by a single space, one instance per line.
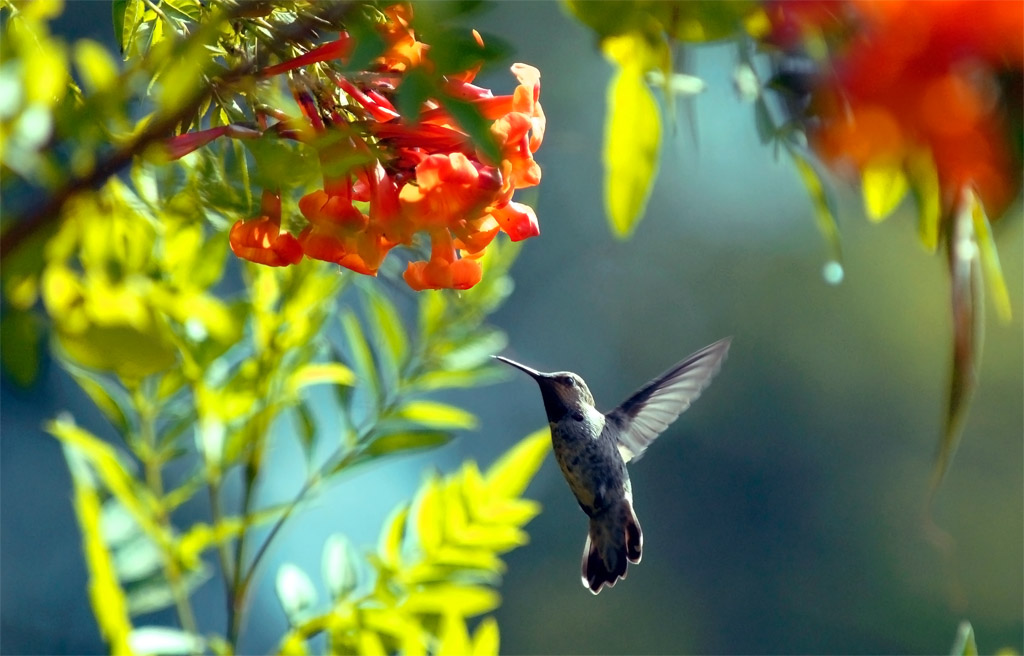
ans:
x=883 y=184
x=632 y=135
x=109 y=604
x=486 y=639
x=388 y=328
x=990 y=260
x=95 y=65
x=454 y=636
x=512 y=472
x=392 y=536
x=429 y=515
x=466 y=600
x=107 y=465
x=822 y=209
x=437 y=415
x=924 y=181
x=330 y=373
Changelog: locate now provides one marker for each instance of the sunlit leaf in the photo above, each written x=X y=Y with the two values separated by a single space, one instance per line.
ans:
x=437 y=415
x=883 y=185
x=454 y=636
x=392 y=536
x=428 y=512
x=466 y=600
x=924 y=182
x=486 y=638
x=321 y=373
x=108 y=600
x=512 y=472
x=632 y=134
x=110 y=399
x=96 y=68
x=295 y=590
x=110 y=470
x=165 y=640
x=990 y=260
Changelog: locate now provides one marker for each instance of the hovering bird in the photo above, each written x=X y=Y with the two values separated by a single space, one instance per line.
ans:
x=592 y=449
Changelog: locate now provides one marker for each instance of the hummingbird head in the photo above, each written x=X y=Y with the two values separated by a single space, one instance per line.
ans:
x=563 y=391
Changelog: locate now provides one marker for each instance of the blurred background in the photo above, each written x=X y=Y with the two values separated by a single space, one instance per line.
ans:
x=781 y=514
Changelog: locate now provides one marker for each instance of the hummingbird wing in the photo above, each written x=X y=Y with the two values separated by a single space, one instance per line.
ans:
x=645 y=415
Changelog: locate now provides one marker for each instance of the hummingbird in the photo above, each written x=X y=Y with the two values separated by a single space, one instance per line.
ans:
x=592 y=449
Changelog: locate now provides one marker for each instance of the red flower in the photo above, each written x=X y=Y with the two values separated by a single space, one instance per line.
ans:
x=260 y=239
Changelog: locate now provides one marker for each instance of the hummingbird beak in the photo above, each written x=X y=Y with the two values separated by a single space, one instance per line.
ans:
x=522 y=367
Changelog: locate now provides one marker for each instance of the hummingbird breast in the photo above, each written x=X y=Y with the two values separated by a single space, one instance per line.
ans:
x=589 y=459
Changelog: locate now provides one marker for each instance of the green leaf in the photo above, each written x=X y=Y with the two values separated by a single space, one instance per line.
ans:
x=127 y=17
x=883 y=185
x=406 y=441
x=512 y=472
x=964 y=645
x=362 y=356
x=296 y=592
x=389 y=546
x=453 y=636
x=340 y=566
x=109 y=398
x=486 y=639
x=428 y=511
x=321 y=373
x=465 y=600
x=990 y=260
x=307 y=427
x=109 y=603
x=437 y=415
x=822 y=206
x=111 y=471
x=475 y=125
x=632 y=134
x=165 y=640
x=19 y=333
x=924 y=182
x=388 y=330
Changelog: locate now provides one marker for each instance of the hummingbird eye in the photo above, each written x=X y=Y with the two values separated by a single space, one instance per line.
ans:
x=570 y=381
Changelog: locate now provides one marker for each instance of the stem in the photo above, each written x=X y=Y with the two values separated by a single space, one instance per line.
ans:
x=154 y=481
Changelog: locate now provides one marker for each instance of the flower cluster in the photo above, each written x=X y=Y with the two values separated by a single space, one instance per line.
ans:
x=913 y=78
x=388 y=177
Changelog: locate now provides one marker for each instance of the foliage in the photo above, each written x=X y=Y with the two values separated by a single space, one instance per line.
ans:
x=203 y=364
x=940 y=125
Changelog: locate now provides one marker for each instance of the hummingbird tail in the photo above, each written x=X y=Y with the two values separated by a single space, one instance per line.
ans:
x=614 y=539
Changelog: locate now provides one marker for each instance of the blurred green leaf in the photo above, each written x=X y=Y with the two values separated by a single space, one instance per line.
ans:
x=307 y=427
x=362 y=356
x=475 y=125
x=405 y=441
x=924 y=182
x=486 y=638
x=389 y=332
x=510 y=474
x=109 y=604
x=632 y=134
x=465 y=600
x=437 y=415
x=883 y=187
x=107 y=396
x=821 y=203
x=990 y=260
x=20 y=332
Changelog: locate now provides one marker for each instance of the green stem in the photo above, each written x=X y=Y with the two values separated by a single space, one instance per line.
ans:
x=154 y=481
